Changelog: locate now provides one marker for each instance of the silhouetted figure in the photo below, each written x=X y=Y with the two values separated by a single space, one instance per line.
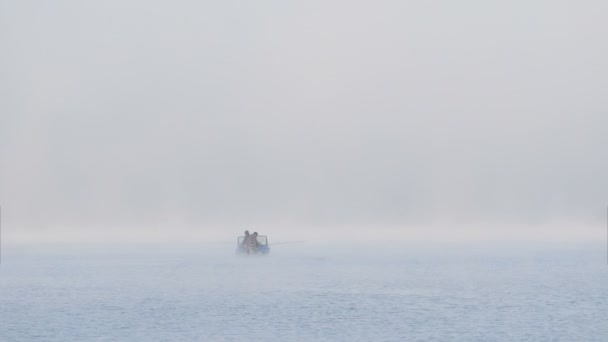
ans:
x=245 y=241
x=254 y=240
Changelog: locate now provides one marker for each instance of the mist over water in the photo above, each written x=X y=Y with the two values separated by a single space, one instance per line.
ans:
x=303 y=292
x=442 y=163
x=218 y=116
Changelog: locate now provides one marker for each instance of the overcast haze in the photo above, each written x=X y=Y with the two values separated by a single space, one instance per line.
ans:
x=308 y=113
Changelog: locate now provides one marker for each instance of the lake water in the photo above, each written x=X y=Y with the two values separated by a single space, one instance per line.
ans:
x=303 y=293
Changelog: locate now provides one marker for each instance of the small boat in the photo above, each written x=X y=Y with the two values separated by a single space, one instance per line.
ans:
x=253 y=247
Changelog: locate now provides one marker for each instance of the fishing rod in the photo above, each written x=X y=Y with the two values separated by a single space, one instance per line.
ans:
x=283 y=243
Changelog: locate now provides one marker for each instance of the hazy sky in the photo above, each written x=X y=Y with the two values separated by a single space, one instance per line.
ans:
x=314 y=112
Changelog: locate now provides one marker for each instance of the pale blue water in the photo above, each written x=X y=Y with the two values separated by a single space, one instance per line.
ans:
x=296 y=294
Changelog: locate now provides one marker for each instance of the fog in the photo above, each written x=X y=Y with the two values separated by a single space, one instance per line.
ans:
x=416 y=119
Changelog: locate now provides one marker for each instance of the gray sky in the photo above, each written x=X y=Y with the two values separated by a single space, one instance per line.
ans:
x=312 y=112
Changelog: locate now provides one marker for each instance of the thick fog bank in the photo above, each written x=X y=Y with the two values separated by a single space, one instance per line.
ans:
x=429 y=235
x=153 y=120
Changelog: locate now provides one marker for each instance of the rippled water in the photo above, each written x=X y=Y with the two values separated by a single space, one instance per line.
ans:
x=296 y=294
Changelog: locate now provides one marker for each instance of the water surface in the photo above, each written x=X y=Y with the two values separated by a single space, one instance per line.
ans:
x=303 y=293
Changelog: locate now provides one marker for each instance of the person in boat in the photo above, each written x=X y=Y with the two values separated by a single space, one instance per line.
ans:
x=254 y=240
x=252 y=243
x=245 y=242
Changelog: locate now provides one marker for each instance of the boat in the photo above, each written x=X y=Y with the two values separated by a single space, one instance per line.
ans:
x=261 y=246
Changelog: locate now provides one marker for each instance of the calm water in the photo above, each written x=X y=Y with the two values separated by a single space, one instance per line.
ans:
x=296 y=294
